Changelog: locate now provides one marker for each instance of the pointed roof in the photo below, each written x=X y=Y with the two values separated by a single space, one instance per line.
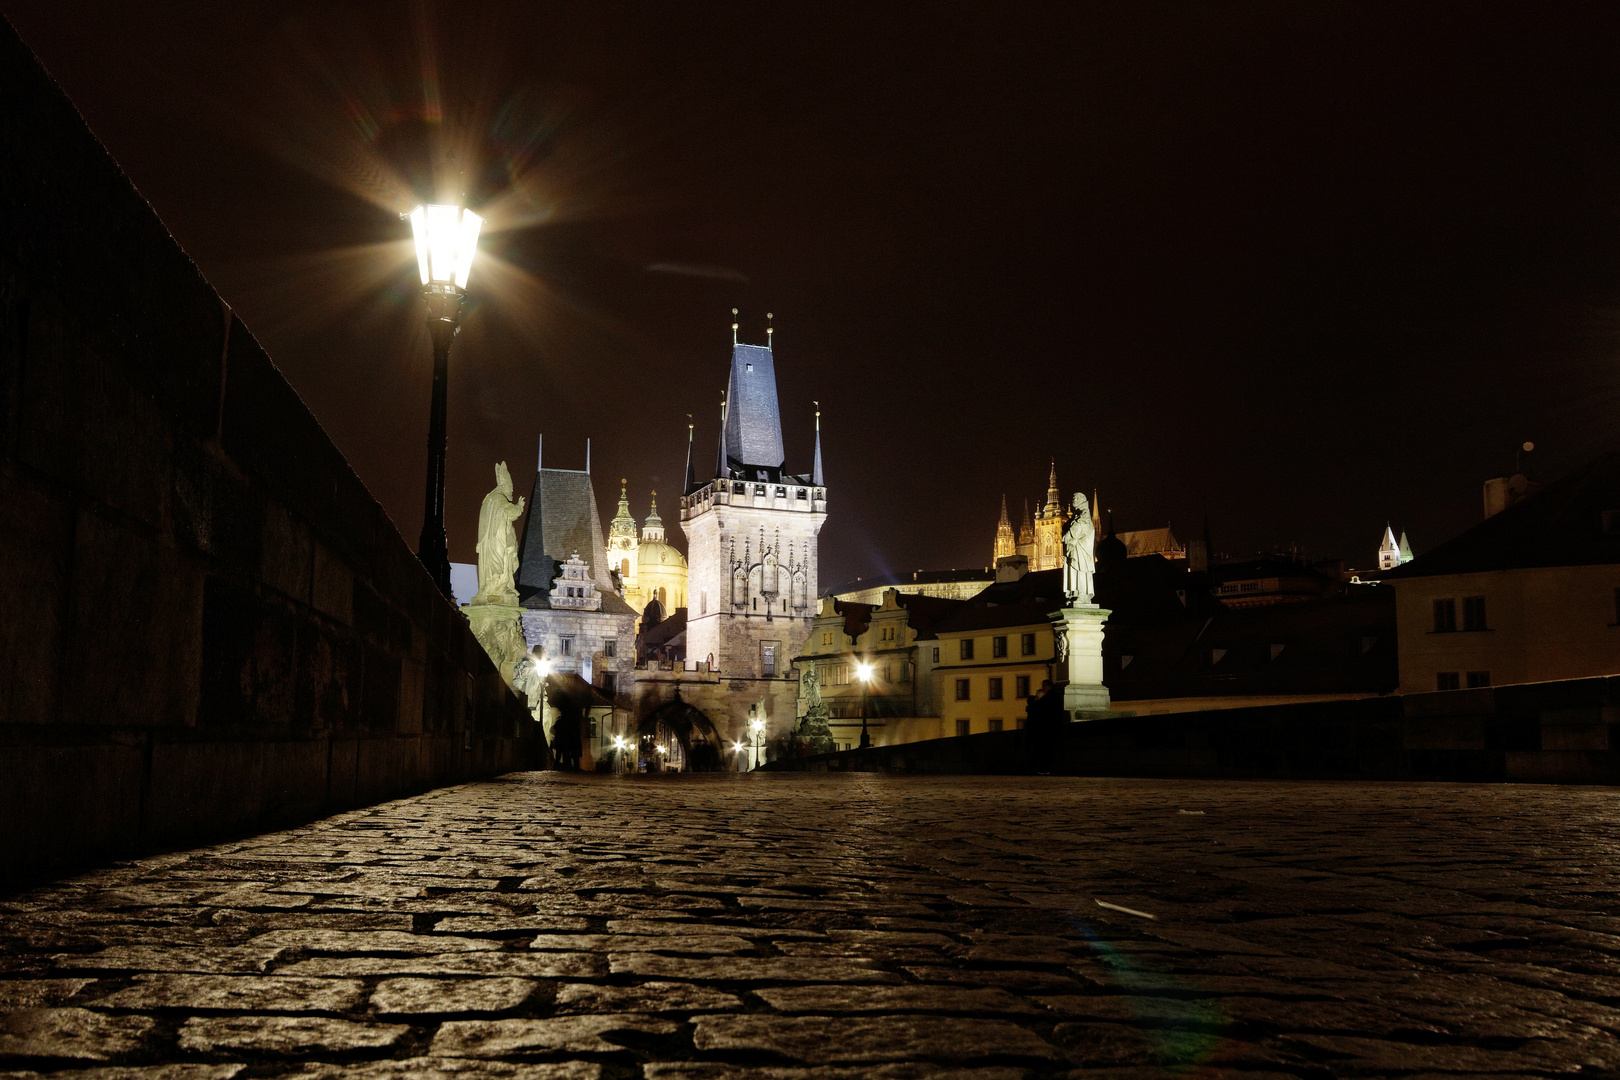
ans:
x=691 y=478
x=1405 y=549
x=562 y=521
x=1389 y=543
x=1026 y=531
x=815 y=475
x=1054 y=499
x=1004 y=524
x=753 y=428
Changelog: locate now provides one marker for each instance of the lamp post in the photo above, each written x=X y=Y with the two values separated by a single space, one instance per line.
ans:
x=542 y=668
x=446 y=241
x=756 y=728
x=863 y=672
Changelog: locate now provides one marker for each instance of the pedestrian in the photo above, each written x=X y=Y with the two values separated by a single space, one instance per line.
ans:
x=1042 y=723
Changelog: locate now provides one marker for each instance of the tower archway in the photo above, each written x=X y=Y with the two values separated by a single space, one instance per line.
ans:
x=678 y=737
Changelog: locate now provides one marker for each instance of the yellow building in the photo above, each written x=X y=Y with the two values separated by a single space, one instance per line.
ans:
x=1528 y=595
x=989 y=659
x=649 y=568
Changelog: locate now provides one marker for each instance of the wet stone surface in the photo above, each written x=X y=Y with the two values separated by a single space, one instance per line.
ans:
x=797 y=927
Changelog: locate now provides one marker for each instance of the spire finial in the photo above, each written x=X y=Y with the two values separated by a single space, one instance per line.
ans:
x=734 y=326
x=769 y=329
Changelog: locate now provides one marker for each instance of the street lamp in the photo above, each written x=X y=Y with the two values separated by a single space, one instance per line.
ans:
x=542 y=668
x=619 y=746
x=756 y=727
x=446 y=241
x=863 y=672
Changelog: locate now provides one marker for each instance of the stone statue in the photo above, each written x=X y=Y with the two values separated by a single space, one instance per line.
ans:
x=497 y=542
x=809 y=690
x=1079 y=559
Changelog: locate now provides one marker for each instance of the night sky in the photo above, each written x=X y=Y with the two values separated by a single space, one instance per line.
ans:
x=1301 y=268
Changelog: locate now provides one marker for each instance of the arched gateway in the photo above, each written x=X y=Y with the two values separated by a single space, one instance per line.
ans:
x=676 y=736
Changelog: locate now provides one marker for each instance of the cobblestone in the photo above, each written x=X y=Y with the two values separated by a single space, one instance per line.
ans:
x=546 y=927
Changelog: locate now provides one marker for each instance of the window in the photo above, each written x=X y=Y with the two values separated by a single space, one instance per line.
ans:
x=590 y=728
x=1021 y=687
x=769 y=661
x=962 y=725
x=1473 y=613
x=995 y=723
x=1026 y=644
x=966 y=646
x=1616 y=607
x=1478 y=679
x=995 y=689
x=610 y=647
x=1446 y=680
x=998 y=646
x=963 y=688
x=1018 y=722
x=826 y=637
x=1445 y=616
x=566 y=646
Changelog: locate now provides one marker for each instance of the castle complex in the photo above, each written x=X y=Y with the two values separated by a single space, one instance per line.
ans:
x=1040 y=541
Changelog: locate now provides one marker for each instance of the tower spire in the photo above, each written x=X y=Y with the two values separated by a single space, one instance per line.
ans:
x=720 y=462
x=815 y=475
x=691 y=480
x=1054 y=500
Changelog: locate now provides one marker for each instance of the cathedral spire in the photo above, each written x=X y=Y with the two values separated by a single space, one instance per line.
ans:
x=1026 y=532
x=815 y=475
x=1005 y=544
x=691 y=480
x=1054 y=500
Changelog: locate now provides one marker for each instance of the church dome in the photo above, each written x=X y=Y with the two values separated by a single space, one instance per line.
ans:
x=656 y=553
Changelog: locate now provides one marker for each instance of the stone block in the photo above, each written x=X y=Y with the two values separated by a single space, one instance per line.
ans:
x=36 y=993
x=201 y=789
x=36 y=530
x=445 y=1068
x=651 y=997
x=72 y=1034
x=286 y=552
x=413 y=997
x=66 y=802
x=248 y=660
x=326 y=678
x=748 y=969
x=236 y=993
x=563 y=1034
x=332 y=592
x=811 y=1039
x=286 y=1035
x=82 y=422
x=136 y=610
x=214 y=510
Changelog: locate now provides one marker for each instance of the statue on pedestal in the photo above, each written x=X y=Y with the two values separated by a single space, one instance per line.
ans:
x=1079 y=560
x=497 y=542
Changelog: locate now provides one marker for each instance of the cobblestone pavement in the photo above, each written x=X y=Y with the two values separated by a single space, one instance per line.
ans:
x=799 y=926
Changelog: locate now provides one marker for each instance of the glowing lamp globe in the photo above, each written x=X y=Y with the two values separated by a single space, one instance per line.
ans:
x=863 y=671
x=446 y=241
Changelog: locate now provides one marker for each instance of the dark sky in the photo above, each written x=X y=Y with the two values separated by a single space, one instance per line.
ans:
x=1303 y=268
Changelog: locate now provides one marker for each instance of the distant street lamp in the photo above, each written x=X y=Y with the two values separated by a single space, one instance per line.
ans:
x=446 y=241
x=756 y=740
x=863 y=672
x=542 y=668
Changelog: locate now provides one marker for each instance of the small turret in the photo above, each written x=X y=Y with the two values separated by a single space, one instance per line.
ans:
x=1389 y=551
x=1005 y=543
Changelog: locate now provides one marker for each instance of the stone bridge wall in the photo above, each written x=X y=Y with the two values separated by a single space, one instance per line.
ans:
x=1554 y=732
x=207 y=624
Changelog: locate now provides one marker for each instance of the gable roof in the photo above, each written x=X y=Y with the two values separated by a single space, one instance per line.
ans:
x=1561 y=525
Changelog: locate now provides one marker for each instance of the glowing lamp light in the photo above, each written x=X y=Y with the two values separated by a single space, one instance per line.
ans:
x=863 y=672
x=446 y=241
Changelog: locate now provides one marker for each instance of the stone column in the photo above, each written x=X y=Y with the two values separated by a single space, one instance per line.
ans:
x=1080 y=629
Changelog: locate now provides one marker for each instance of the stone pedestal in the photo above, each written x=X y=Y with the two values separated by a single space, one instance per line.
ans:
x=1084 y=697
x=499 y=630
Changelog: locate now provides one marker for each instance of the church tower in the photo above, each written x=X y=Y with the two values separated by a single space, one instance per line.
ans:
x=1026 y=537
x=1049 y=528
x=751 y=534
x=621 y=545
x=1005 y=544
